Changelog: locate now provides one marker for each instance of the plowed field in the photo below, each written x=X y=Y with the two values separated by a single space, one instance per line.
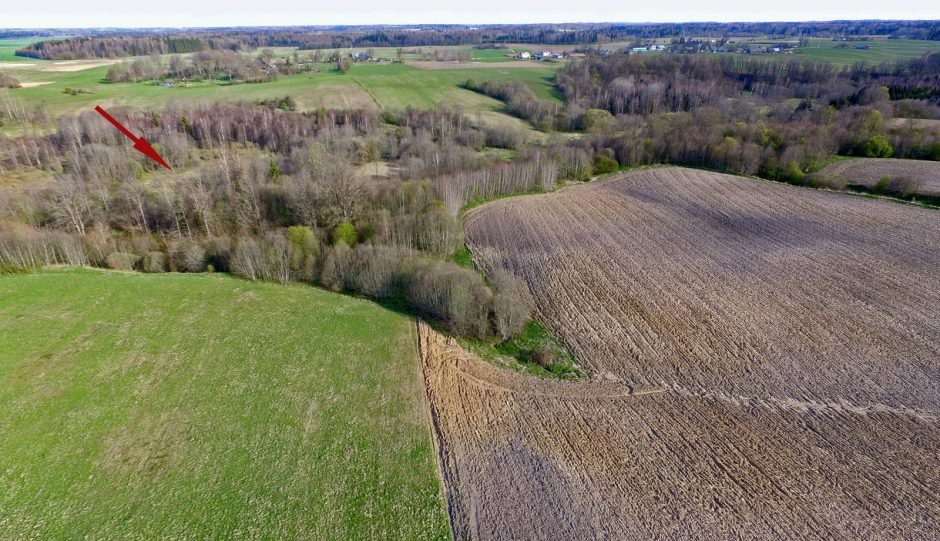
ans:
x=924 y=175
x=765 y=362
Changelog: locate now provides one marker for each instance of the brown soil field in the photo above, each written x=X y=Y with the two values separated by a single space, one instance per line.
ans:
x=868 y=171
x=64 y=65
x=765 y=363
x=929 y=124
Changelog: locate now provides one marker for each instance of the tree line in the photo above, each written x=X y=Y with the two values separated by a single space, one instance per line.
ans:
x=116 y=44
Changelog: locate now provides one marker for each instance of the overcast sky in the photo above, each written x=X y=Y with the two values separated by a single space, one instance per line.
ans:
x=179 y=13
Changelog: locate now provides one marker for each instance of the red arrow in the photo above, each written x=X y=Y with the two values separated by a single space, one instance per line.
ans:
x=140 y=144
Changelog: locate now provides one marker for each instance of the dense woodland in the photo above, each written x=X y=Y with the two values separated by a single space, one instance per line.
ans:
x=116 y=43
x=778 y=120
x=275 y=195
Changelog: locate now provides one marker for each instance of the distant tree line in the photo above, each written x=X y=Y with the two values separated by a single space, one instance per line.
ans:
x=116 y=44
x=223 y=65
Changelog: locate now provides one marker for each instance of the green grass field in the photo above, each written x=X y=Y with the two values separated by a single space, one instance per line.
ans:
x=202 y=406
x=394 y=86
x=881 y=50
x=9 y=46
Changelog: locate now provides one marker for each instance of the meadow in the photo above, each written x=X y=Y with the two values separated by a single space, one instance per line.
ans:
x=880 y=50
x=374 y=86
x=202 y=406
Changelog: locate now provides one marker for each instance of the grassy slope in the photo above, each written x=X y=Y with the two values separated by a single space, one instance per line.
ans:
x=164 y=406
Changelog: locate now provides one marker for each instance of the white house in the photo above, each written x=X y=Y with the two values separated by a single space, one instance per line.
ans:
x=524 y=55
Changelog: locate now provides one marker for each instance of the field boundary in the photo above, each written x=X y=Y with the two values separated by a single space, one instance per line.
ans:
x=437 y=438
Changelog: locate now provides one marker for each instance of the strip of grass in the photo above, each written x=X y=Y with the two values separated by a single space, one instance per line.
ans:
x=203 y=406
x=516 y=353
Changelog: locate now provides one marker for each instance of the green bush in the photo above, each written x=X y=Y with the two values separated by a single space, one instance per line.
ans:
x=12 y=268
x=603 y=164
x=345 y=233
x=793 y=173
x=122 y=261
x=304 y=250
x=877 y=146
x=598 y=120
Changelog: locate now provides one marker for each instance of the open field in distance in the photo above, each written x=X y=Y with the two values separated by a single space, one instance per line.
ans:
x=372 y=86
x=181 y=406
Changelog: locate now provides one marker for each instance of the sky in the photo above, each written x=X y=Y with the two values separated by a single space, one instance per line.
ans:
x=202 y=13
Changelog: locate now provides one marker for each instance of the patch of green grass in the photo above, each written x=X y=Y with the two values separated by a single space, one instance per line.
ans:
x=8 y=49
x=484 y=200
x=880 y=50
x=397 y=86
x=203 y=406
x=324 y=89
x=492 y=55
x=463 y=258
x=516 y=353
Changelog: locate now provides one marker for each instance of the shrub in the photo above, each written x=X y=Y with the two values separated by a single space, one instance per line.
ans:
x=543 y=357
x=219 y=254
x=335 y=264
x=304 y=250
x=375 y=271
x=603 y=164
x=154 y=262
x=451 y=294
x=819 y=180
x=122 y=261
x=12 y=268
x=345 y=233
x=598 y=120
x=895 y=186
x=247 y=259
x=793 y=173
x=265 y=260
x=190 y=257
x=8 y=81
x=512 y=304
x=877 y=146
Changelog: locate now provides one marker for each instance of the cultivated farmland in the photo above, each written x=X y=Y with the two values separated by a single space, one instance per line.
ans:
x=727 y=398
x=918 y=176
x=201 y=406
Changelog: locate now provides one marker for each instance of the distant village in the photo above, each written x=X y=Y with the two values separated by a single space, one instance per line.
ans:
x=750 y=46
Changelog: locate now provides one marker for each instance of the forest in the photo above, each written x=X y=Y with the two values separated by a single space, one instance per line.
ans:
x=777 y=120
x=276 y=195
